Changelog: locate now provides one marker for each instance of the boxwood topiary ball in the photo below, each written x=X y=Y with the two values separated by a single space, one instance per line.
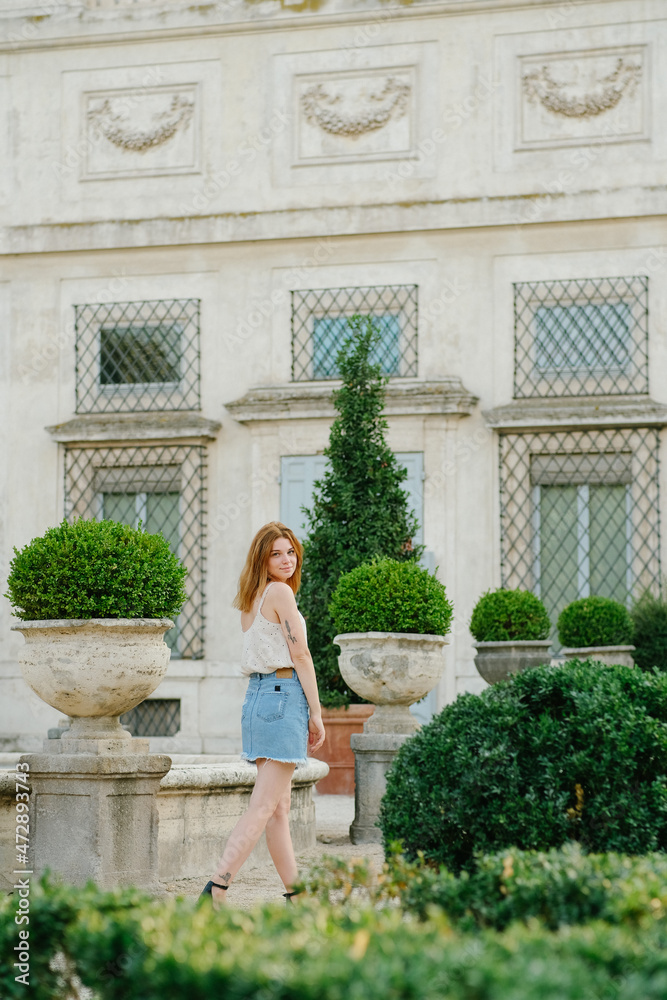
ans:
x=502 y=615
x=595 y=621
x=96 y=569
x=386 y=595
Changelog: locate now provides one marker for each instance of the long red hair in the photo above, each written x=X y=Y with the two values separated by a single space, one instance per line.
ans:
x=255 y=574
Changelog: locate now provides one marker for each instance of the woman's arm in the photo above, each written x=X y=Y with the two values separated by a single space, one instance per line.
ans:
x=281 y=599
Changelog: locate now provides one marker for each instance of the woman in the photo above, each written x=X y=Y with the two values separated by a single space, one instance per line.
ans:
x=282 y=694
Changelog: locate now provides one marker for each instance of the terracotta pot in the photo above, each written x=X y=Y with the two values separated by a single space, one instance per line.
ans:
x=340 y=724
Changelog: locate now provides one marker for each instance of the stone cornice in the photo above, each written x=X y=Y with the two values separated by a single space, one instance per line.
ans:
x=582 y=412
x=444 y=396
x=122 y=427
x=513 y=211
x=74 y=24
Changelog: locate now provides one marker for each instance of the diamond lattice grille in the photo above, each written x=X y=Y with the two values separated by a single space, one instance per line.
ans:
x=163 y=486
x=154 y=717
x=319 y=327
x=581 y=338
x=137 y=356
x=580 y=514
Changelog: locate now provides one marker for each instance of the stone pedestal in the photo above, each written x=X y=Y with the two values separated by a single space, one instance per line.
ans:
x=93 y=811
x=374 y=752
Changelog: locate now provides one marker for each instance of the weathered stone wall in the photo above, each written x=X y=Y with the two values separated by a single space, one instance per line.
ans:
x=237 y=151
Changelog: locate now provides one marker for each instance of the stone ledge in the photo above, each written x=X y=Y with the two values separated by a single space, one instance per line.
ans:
x=307 y=400
x=581 y=412
x=134 y=427
x=196 y=774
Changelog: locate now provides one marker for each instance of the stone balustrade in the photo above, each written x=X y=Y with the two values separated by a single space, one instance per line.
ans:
x=199 y=801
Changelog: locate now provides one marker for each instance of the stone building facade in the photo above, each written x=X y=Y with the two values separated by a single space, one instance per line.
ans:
x=193 y=199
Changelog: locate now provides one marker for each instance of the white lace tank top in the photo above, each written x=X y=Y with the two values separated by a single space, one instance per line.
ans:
x=264 y=645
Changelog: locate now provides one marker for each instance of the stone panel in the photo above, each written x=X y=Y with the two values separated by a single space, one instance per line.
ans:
x=571 y=97
x=351 y=110
x=131 y=132
x=122 y=125
x=350 y=116
x=593 y=88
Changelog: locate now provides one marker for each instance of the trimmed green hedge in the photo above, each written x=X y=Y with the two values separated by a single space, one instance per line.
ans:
x=595 y=621
x=96 y=569
x=558 y=888
x=576 y=752
x=390 y=596
x=125 y=947
x=503 y=615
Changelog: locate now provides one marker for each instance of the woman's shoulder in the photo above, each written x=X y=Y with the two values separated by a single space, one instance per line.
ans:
x=280 y=591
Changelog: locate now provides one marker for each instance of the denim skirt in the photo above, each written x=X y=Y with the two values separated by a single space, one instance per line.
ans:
x=274 y=719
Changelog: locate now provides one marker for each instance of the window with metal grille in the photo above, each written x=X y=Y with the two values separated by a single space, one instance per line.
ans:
x=320 y=326
x=580 y=338
x=137 y=356
x=154 y=717
x=163 y=487
x=580 y=514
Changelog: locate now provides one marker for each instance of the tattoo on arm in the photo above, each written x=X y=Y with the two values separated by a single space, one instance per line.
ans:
x=292 y=638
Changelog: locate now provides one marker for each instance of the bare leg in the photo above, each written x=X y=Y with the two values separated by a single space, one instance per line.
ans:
x=279 y=841
x=274 y=778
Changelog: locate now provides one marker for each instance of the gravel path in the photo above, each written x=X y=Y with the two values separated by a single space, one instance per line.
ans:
x=334 y=813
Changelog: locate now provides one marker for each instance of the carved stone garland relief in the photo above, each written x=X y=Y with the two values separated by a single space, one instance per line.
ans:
x=539 y=85
x=322 y=108
x=119 y=129
x=572 y=97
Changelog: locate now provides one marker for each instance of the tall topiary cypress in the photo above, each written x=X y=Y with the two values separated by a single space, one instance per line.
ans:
x=359 y=508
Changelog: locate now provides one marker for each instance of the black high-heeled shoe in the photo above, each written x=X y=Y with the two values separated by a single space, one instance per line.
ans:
x=208 y=889
x=288 y=895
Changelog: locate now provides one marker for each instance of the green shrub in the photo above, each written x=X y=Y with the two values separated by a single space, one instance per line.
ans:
x=360 y=508
x=126 y=947
x=577 y=752
x=502 y=615
x=595 y=621
x=649 y=619
x=96 y=569
x=558 y=888
x=390 y=596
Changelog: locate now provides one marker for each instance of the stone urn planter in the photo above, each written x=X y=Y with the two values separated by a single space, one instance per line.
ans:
x=95 y=599
x=391 y=618
x=95 y=669
x=597 y=628
x=495 y=661
x=392 y=670
x=609 y=655
x=510 y=628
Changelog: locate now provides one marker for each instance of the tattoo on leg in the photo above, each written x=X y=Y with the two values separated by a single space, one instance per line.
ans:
x=291 y=637
x=226 y=877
